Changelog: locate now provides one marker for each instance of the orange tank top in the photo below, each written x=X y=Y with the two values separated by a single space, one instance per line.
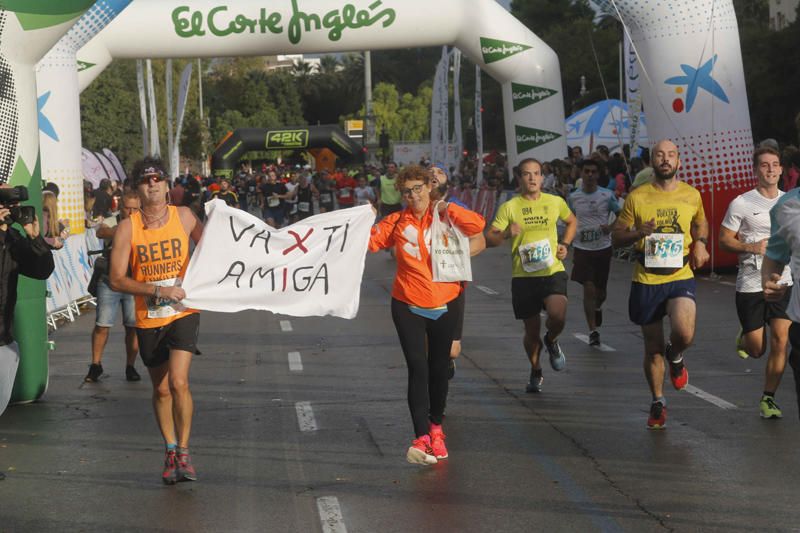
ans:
x=159 y=256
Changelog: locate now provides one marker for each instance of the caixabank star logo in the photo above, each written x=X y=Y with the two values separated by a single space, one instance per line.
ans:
x=694 y=79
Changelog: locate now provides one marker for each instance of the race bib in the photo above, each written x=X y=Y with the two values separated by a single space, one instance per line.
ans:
x=325 y=198
x=663 y=250
x=536 y=256
x=590 y=235
x=162 y=307
x=273 y=202
x=344 y=193
x=305 y=207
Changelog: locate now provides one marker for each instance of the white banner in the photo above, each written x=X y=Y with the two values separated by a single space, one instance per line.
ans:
x=70 y=279
x=183 y=96
x=631 y=71
x=312 y=268
x=458 y=136
x=143 y=106
x=439 y=111
x=479 y=123
x=116 y=162
x=155 y=144
x=168 y=87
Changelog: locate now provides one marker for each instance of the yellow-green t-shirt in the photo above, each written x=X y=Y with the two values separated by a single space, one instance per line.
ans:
x=533 y=251
x=389 y=193
x=674 y=212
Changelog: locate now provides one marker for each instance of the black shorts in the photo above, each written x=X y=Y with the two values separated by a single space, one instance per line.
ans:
x=647 y=304
x=528 y=294
x=592 y=265
x=755 y=312
x=457 y=306
x=156 y=343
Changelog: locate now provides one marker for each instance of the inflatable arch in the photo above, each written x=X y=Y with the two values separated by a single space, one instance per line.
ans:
x=241 y=141
x=694 y=93
x=28 y=29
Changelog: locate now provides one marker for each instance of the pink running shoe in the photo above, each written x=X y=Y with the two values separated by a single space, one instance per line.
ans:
x=185 y=470
x=169 y=476
x=437 y=442
x=421 y=452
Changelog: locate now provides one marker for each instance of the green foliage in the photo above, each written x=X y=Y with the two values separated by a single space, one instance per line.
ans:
x=404 y=117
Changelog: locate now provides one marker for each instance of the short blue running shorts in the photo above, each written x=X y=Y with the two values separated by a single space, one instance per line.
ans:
x=648 y=303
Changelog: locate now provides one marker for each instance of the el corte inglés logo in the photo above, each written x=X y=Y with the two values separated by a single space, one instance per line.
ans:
x=218 y=21
x=527 y=95
x=495 y=50
x=280 y=140
x=530 y=138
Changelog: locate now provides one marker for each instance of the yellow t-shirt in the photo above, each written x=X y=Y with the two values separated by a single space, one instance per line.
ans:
x=533 y=251
x=674 y=213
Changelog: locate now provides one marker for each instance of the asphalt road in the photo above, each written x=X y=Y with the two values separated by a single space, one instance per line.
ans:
x=315 y=441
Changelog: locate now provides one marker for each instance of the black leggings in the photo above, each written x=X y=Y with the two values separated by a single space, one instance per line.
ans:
x=794 y=356
x=426 y=347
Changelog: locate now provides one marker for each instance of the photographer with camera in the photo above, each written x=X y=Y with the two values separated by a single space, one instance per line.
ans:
x=26 y=254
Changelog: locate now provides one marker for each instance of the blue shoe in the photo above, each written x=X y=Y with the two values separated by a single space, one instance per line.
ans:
x=557 y=359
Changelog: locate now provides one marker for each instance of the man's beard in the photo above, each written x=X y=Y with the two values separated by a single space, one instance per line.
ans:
x=664 y=177
x=442 y=189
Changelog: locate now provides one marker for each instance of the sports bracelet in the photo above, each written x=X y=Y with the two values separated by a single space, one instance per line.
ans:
x=157 y=293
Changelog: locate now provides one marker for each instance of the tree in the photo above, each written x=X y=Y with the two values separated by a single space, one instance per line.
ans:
x=404 y=117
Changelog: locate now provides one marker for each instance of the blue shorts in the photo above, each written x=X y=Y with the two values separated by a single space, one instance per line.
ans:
x=276 y=214
x=648 y=303
x=108 y=303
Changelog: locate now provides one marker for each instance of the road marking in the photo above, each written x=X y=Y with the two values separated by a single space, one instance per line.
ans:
x=330 y=515
x=286 y=325
x=703 y=395
x=305 y=416
x=295 y=362
x=487 y=290
x=603 y=347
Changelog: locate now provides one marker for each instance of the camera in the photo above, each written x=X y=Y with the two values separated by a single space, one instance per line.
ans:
x=20 y=214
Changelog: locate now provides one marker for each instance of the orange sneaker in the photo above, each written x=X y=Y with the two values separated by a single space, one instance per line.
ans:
x=437 y=442
x=658 y=416
x=421 y=452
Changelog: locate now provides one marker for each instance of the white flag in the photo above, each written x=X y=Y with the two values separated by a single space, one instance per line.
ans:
x=439 y=111
x=458 y=136
x=312 y=268
x=155 y=144
x=632 y=81
x=183 y=95
x=479 y=123
x=143 y=106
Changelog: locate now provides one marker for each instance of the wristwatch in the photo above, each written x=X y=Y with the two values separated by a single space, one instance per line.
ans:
x=703 y=240
x=567 y=244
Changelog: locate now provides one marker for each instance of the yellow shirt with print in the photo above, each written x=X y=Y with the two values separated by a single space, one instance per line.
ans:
x=674 y=212
x=539 y=237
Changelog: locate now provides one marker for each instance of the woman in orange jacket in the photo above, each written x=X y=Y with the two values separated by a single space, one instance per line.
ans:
x=420 y=306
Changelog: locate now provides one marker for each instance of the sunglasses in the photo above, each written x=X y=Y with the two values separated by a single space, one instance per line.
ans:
x=416 y=189
x=149 y=177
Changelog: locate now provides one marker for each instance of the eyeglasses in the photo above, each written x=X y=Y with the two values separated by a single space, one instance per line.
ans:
x=416 y=189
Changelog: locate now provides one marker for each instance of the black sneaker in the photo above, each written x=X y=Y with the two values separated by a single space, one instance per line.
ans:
x=598 y=318
x=594 y=338
x=535 y=383
x=131 y=374
x=451 y=369
x=95 y=371
x=557 y=359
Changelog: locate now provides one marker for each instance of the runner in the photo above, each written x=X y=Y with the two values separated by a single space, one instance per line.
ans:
x=538 y=280
x=225 y=193
x=325 y=187
x=345 y=186
x=745 y=231
x=783 y=249
x=666 y=221
x=305 y=197
x=109 y=301
x=272 y=197
x=154 y=245
x=477 y=243
x=421 y=309
x=591 y=261
x=364 y=193
x=389 y=197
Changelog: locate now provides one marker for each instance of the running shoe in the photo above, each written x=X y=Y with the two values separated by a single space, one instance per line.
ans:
x=594 y=338
x=770 y=409
x=95 y=371
x=598 y=318
x=421 y=452
x=169 y=476
x=658 y=416
x=131 y=374
x=557 y=359
x=677 y=371
x=535 y=383
x=437 y=443
x=740 y=351
x=451 y=369
x=185 y=470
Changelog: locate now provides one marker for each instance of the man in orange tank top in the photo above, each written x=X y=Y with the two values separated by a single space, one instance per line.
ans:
x=154 y=245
